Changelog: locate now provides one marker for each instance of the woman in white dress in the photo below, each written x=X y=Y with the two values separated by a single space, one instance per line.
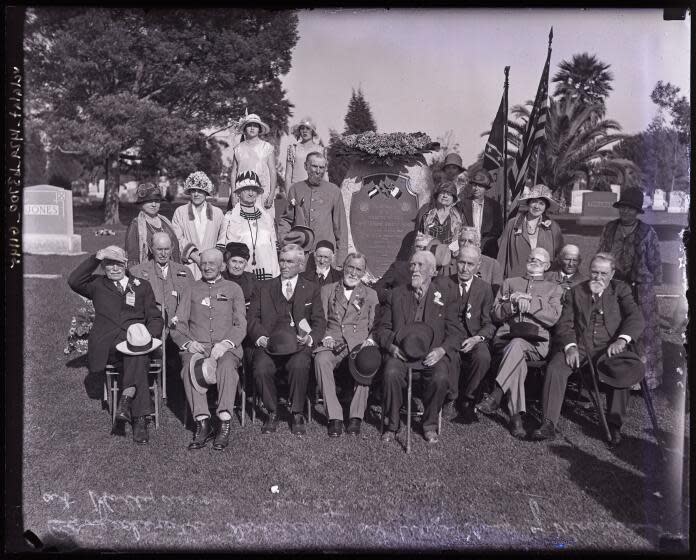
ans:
x=307 y=142
x=249 y=224
x=254 y=154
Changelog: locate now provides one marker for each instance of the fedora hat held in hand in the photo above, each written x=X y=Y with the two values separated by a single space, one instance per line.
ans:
x=414 y=340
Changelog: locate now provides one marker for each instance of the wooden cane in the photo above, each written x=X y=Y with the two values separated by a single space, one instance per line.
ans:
x=408 y=411
x=598 y=401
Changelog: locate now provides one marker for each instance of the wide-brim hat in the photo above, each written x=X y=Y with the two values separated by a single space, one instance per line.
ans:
x=248 y=180
x=283 y=342
x=414 y=340
x=198 y=181
x=539 y=191
x=203 y=372
x=253 y=118
x=622 y=370
x=114 y=253
x=632 y=197
x=148 y=192
x=302 y=236
x=138 y=341
x=363 y=363
x=525 y=330
x=306 y=121
x=453 y=159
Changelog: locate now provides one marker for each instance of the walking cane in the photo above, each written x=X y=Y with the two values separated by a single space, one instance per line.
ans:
x=596 y=397
x=408 y=411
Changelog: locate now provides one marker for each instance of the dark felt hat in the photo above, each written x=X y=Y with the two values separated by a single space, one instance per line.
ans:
x=363 y=363
x=236 y=249
x=632 y=197
x=527 y=331
x=453 y=159
x=148 y=192
x=283 y=342
x=302 y=236
x=622 y=370
x=326 y=244
x=414 y=340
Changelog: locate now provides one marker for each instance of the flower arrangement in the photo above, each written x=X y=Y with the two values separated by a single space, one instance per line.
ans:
x=80 y=326
x=384 y=148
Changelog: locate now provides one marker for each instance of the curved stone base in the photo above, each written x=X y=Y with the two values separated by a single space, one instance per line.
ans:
x=45 y=244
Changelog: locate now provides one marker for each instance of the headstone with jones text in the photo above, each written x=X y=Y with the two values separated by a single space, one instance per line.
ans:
x=48 y=221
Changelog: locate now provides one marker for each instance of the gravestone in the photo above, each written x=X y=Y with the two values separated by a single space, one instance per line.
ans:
x=597 y=208
x=48 y=222
x=678 y=202
x=576 y=197
x=616 y=189
x=381 y=203
x=659 y=202
x=647 y=202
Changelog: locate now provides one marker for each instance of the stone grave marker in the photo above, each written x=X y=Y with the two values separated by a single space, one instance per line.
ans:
x=659 y=202
x=678 y=202
x=48 y=221
x=597 y=207
x=576 y=197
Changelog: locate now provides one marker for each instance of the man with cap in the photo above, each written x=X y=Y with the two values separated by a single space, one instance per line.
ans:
x=349 y=307
x=528 y=306
x=211 y=325
x=287 y=303
x=489 y=269
x=567 y=270
x=321 y=270
x=418 y=328
x=482 y=212
x=475 y=303
x=198 y=224
x=322 y=204
x=600 y=320
x=120 y=302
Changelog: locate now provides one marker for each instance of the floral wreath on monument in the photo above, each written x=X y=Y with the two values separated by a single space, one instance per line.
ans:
x=384 y=148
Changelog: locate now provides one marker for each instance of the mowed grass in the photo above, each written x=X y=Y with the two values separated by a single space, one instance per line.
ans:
x=477 y=489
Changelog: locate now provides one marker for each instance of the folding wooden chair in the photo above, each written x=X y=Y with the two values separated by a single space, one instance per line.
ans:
x=111 y=388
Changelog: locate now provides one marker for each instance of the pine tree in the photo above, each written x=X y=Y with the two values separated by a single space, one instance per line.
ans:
x=359 y=116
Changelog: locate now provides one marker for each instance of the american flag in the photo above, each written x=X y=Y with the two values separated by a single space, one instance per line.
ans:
x=535 y=132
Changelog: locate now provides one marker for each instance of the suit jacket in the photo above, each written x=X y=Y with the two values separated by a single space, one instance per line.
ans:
x=474 y=308
x=491 y=223
x=350 y=320
x=544 y=311
x=440 y=313
x=333 y=276
x=113 y=315
x=247 y=282
x=574 y=280
x=621 y=314
x=211 y=312
x=265 y=308
x=167 y=290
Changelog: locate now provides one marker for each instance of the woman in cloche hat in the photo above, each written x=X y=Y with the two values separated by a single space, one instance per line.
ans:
x=531 y=228
x=440 y=217
x=307 y=141
x=254 y=154
x=636 y=251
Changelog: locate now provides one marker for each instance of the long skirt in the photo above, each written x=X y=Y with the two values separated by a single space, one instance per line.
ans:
x=650 y=343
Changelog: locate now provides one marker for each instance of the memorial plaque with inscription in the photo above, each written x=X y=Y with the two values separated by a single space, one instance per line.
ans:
x=48 y=221
x=599 y=205
x=381 y=216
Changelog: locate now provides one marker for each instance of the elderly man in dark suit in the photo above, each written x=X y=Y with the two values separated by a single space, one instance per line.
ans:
x=429 y=301
x=599 y=318
x=566 y=272
x=286 y=302
x=211 y=322
x=475 y=302
x=320 y=269
x=399 y=272
x=119 y=302
x=482 y=212
x=350 y=314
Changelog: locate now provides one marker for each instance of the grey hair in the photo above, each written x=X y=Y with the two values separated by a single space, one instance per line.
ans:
x=429 y=257
x=470 y=248
x=467 y=229
x=161 y=235
x=293 y=248
x=213 y=251
x=607 y=257
x=315 y=154
x=355 y=256
x=539 y=249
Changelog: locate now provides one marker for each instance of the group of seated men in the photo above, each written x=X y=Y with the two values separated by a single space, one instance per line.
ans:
x=449 y=330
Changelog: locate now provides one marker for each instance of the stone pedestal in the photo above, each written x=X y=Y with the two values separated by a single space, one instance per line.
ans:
x=48 y=222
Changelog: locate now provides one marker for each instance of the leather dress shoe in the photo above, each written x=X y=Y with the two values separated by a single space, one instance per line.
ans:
x=430 y=436
x=449 y=410
x=353 y=427
x=271 y=423
x=547 y=430
x=467 y=415
x=298 y=426
x=388 y=436
x=335 y=428
x=615 y=432
x=516 y=427
x=222 y=438
x=124 y=409
x=203 y=434
x=140 y=430
x=491 y=403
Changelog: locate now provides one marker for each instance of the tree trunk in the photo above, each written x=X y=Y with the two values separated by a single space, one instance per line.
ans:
x=111 y=191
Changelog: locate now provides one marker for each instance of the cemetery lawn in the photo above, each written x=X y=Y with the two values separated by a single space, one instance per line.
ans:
x=478 y=488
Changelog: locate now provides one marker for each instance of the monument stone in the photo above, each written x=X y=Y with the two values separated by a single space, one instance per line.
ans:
x=659 y=202
x=48 y=222
x=576 y=197
x=678 y=202
x=597 y=208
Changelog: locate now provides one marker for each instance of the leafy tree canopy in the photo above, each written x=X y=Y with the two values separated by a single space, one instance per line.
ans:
x=585 y=79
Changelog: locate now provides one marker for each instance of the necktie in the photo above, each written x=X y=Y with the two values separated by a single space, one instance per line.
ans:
x=288 y=290
x=419 y=293
x=119 y=287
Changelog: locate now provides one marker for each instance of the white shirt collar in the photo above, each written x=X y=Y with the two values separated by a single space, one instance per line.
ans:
x=123 y=281
x=218 y=277
x=467 y=284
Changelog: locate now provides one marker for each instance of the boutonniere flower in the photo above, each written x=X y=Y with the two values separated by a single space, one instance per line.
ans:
x=136 y=281
x=546 y=223
x=293 y=202
x=357 y=303
x=437 y=298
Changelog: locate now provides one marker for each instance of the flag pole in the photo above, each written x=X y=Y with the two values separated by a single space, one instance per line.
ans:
x=505 y=144
x=536 y=163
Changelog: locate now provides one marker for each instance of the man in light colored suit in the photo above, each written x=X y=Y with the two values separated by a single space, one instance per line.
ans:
x=349 y=306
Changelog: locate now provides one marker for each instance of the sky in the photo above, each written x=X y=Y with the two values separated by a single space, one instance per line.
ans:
x=442 y=69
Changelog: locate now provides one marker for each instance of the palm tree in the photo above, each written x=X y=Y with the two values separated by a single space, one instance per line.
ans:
x=584 y=78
